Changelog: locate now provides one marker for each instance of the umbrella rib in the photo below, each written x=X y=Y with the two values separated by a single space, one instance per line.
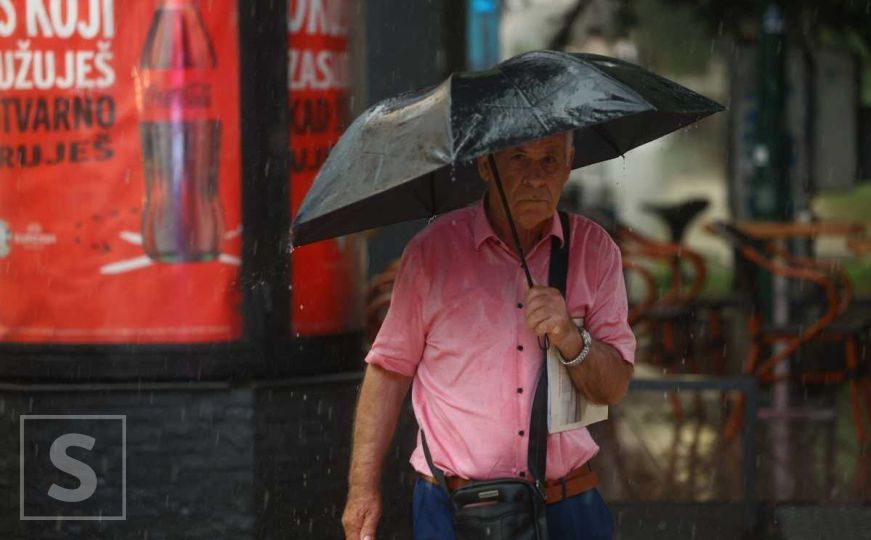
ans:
x=616 y=80
x=621 y=83
x=529 y=104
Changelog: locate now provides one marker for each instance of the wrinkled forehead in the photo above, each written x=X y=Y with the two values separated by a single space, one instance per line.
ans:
x=558 y=142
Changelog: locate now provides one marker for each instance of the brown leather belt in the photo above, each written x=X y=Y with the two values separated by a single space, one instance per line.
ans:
x=576 y=482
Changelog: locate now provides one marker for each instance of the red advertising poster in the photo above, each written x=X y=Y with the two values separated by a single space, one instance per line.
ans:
x=327 y=276
x=119 y=171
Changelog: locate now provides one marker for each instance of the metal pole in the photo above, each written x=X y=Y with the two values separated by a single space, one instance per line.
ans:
x=772 y=200
x=771 y=196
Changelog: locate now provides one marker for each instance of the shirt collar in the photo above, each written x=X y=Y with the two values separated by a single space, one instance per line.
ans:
x=482 y=229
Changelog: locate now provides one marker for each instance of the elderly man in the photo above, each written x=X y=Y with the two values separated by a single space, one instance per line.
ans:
x=463 y=326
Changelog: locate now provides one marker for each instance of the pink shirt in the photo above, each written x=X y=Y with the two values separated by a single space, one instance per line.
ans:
x=456 y=324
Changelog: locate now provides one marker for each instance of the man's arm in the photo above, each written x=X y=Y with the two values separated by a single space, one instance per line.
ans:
x=378 y=408
x=603 y=377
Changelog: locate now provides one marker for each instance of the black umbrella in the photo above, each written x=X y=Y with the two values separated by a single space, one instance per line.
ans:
x=411 y=156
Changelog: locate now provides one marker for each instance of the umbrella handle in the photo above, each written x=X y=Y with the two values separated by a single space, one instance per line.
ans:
x=543 y=342
x=514 y=234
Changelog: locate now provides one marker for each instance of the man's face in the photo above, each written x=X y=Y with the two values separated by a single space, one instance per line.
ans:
x=533 y=176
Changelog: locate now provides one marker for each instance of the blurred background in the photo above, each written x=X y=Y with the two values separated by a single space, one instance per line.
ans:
x=153 y=154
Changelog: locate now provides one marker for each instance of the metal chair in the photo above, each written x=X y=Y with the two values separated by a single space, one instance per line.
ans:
x=669 y=319
x=677 y=218
x=835 y=323
x=636 y=248
x=638 y=311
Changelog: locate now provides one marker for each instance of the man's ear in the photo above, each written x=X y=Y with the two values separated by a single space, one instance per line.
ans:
x=483 y=168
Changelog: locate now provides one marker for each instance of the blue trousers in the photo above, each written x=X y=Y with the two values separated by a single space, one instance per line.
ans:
x=582 y=517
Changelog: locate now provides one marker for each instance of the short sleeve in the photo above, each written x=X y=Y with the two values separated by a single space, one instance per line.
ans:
x=607 y=318
x=398 y=347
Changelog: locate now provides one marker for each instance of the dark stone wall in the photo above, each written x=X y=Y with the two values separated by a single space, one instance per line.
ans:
x=208 y=460
x=303 y=490
x=189 y=461
x=405 y=46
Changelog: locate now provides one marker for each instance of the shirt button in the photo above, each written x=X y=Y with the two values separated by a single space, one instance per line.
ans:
x=519 y=305
x=521 y=432
x=520 y=347
x=520 y=390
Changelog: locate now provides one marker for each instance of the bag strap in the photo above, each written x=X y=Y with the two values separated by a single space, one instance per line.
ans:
x=557 y=277
x=437 y=473
x=537 y=454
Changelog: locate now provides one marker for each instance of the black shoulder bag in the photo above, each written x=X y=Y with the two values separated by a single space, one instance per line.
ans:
x=512 y=508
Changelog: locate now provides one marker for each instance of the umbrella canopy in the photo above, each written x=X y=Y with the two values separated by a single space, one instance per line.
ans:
x=412 y=156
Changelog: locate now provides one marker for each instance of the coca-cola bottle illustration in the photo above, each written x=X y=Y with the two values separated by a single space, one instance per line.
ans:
x=182 y=219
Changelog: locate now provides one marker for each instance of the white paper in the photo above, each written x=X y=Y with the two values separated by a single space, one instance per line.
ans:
x=567 y=408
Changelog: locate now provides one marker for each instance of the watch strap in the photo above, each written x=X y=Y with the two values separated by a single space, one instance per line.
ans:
x=582 y=354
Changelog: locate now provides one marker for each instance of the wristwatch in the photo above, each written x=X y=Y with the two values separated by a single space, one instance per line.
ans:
x=585 y=350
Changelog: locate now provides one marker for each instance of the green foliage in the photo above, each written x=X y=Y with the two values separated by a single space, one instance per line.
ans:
x=671 y=38
x=831 y=22
x=852 y=205
x=722 y=16
x=841 y=24
x=859 y=272
x=849 y=205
